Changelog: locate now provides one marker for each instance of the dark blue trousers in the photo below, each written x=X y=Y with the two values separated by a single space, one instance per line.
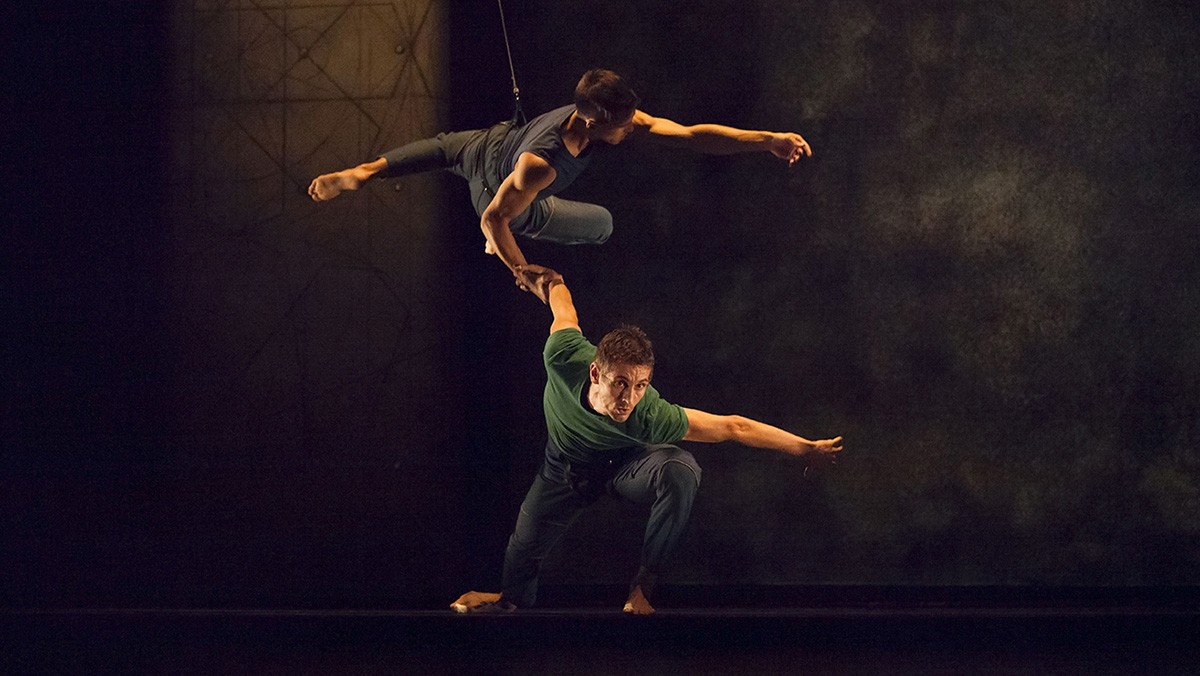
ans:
x=467 y=154
x=663 y=476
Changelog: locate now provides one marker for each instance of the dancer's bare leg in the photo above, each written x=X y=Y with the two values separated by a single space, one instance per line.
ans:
x=637 y=603
x=327 y=186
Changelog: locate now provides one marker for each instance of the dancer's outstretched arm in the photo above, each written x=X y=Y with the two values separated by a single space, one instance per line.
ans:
x=710 y=428
x=716 y=139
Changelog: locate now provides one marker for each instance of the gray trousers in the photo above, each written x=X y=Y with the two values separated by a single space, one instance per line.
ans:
x=663 y=476
x=465 y=154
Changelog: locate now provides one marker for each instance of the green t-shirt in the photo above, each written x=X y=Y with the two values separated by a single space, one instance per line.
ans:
x=580 y=433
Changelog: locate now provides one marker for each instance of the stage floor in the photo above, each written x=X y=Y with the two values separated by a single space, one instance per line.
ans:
x=727 y=640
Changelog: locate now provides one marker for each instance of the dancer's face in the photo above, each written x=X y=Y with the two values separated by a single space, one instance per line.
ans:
x=618 y=389
x=611 y=133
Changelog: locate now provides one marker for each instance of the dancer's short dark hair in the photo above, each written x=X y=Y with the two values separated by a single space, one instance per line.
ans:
x=626 y=344
x=605 y=96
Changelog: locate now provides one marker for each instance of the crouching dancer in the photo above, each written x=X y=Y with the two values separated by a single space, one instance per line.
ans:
x=610 y=433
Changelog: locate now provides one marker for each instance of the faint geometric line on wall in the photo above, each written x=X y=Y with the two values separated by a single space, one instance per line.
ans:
x=251 y=65
x=226 y=146
x=250 y=28
x=289 y=313
x=300 y=34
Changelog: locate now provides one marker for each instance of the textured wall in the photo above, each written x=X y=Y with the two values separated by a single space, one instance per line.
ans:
x=307 y=309
x=310 y=338
x=985 y=279
x=277 y=429
x=220 y=393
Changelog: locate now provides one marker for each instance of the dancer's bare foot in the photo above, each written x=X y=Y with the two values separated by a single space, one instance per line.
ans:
x=327 y=186
x=473 y=599
x=637 y=603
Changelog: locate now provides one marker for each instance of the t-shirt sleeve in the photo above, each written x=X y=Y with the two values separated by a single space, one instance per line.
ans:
x=562 y=346
x=544 y=147
x=662 y=421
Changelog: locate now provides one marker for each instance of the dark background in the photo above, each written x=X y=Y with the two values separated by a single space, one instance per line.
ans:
x=217 y=393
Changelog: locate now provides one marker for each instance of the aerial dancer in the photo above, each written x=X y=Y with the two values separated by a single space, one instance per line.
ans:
x=514 y=172
x=609 y=432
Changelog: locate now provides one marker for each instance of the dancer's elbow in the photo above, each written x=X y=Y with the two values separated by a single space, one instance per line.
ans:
x=492 y=221
x=737 y=428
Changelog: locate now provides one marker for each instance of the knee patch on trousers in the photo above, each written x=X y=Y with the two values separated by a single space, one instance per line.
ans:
x=604 y=227
x=681 y=470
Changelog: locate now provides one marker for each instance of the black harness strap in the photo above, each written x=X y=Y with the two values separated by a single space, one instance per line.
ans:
x=518 y=114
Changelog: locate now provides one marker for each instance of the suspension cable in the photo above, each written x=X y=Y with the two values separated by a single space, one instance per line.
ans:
x=518 y=114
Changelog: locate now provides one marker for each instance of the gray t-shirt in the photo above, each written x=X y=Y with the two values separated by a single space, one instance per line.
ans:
x=503 y=144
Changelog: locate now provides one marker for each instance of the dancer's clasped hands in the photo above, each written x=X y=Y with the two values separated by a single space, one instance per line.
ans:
x=536 y=279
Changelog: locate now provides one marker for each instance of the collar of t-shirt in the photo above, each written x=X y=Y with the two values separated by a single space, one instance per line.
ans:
x=583 y=398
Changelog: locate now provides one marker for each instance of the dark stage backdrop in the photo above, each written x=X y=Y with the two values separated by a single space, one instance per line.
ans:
x=218 y=393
